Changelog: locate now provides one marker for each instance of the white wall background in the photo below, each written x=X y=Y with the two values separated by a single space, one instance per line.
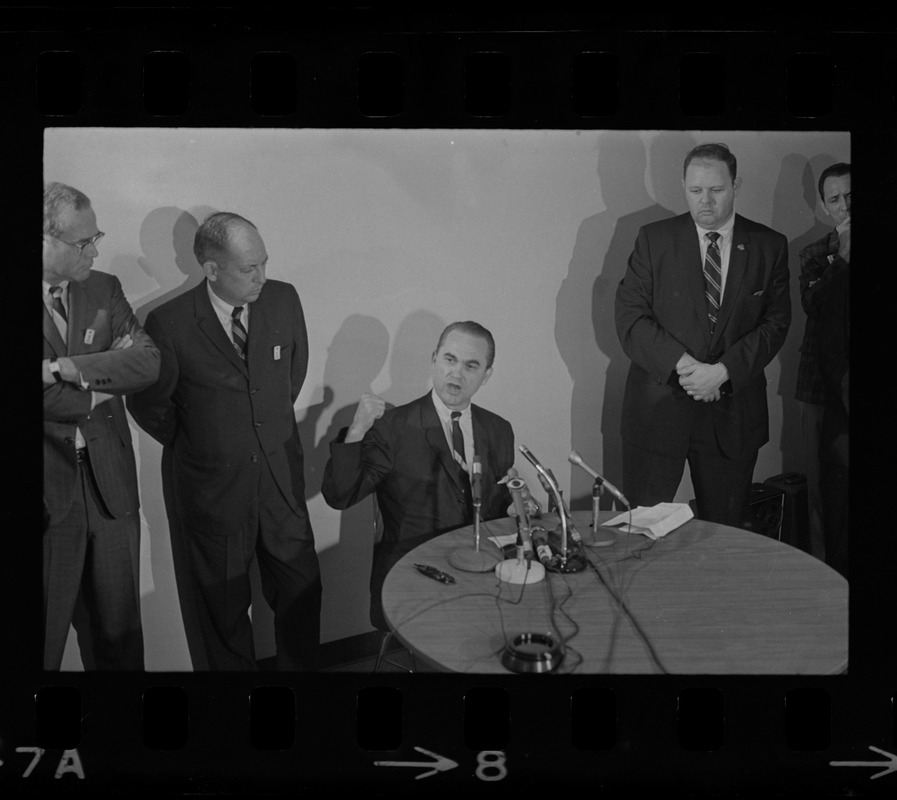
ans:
x=389 y=235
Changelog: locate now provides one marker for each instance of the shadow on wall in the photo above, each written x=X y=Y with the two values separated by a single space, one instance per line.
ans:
x=355 y=358
x=585 y=302
x=794 y=203
x=166 y=240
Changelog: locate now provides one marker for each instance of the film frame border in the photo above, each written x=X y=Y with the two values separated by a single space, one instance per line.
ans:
x=645 y=751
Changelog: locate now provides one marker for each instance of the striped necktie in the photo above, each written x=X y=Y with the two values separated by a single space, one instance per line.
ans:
x=239 y=332
x=461 y=458
x=713 y=277
x=58 y=307
x=60 y=319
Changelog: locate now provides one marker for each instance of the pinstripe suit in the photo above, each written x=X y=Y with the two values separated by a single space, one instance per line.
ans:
x=91 y=542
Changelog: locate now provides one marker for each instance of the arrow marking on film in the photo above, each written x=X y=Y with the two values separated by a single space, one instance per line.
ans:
x=441 y=764
x=889 y=766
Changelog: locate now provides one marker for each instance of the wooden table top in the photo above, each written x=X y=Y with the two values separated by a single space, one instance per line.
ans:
x=704 y=599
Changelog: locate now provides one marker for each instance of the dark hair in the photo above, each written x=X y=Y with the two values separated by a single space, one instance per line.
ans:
x=212 y=236
x=712 y=152
x=472 y=329
x=58 y=197
x=834 y=171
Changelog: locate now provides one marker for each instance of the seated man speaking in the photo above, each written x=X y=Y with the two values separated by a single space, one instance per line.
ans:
x=417 y=457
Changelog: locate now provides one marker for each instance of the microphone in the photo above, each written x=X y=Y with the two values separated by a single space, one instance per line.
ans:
x=476 y=481
x=516 y=487
x=575 y=458
x=540 y=542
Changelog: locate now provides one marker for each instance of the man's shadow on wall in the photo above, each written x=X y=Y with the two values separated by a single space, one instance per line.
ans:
x=585 y=330
x=795 y=199
x=166 y=241
x=355 y=359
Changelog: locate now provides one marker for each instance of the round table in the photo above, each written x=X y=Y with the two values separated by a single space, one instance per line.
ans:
x=704 y=599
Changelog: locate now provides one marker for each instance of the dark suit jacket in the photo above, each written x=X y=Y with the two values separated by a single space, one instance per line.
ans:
x=98 y=305
x=405 y=457
x=215 y=414
x=661 y=313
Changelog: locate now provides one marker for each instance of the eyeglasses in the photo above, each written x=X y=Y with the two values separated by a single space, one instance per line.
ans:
x=79 y=246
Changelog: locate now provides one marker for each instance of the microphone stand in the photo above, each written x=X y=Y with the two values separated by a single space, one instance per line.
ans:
x=548 y=481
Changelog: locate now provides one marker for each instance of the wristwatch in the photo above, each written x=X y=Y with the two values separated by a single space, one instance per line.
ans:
x=54 y=371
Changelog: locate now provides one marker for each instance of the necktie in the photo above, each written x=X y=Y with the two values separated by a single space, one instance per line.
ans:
x=713 y=277
x=460 y=457
x=239 y=332
x=58 y=307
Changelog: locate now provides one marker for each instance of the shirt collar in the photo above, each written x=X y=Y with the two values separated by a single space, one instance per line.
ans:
x=48 y=286
x=444 y=412
x=222 y=308
x=724 y=230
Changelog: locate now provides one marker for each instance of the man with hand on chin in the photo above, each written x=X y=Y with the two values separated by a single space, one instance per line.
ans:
x=417 y=457
x=703 y=307
x=824 y=267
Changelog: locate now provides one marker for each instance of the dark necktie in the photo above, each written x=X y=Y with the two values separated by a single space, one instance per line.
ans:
x=58 y=307
x=239 y=332
x=460 y=457
x=713 y=277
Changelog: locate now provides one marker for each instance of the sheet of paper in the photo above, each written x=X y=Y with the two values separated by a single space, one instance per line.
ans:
x=652 y=521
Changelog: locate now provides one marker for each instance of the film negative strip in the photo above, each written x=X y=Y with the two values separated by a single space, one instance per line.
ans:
x=749 y=668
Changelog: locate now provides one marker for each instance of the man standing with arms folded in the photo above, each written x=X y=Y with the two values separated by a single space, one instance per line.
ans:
x=418 y=457
x=234 y=358
x=94 y=352
x=703 y=307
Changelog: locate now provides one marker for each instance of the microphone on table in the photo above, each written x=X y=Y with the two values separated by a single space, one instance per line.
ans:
x=520 y=569
x=472 y=559
x=575 y=458
x=476 y=481
x=516 y=486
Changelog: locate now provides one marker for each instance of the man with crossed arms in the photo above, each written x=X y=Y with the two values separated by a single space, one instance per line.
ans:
x=94 y=352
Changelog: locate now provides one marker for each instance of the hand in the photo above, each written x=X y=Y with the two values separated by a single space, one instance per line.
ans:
x=122 y=342
x=685 y=364
x=702 y=381
x=844 y=240
x=370 y=408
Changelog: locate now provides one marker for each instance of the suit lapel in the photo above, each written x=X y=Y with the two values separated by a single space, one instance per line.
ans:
x=51 y=335
x=81 y=313
x=259 y=332
x=208 y=323
x=435 y=434
x=738 y=256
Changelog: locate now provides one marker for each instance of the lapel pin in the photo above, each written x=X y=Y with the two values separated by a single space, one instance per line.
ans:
x=277 y=352
x=88 y=336
x=740 y=247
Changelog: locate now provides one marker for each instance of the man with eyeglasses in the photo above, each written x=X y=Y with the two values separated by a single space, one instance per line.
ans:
x=94 y=353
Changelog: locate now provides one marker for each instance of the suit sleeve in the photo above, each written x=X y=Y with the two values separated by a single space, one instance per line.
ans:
x=644 y=340
x=817 y=274
x=355 y=469
x=153 y=408
x=499 y=498
x=747 y=357
x=117 y=372
x=299 y=364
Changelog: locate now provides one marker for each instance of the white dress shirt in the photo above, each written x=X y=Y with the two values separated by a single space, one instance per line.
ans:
x=466 y=423
x=725 y=247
